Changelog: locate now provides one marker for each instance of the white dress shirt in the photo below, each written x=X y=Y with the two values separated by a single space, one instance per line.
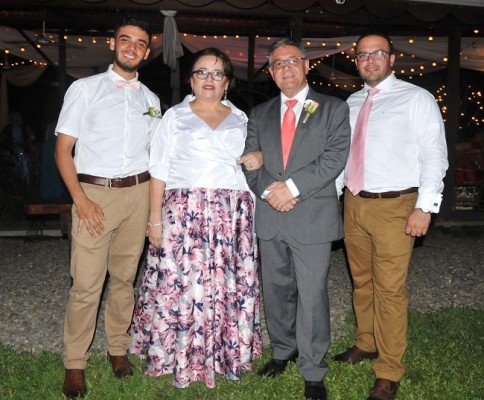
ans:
x=405 y=144
x=188 y=153
x=112 y=133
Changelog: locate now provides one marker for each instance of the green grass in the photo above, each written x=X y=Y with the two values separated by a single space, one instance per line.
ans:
x=444 y=361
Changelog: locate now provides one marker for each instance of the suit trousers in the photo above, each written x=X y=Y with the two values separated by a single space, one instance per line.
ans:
x=294 y=283
x=379 y=254
x=116 y=252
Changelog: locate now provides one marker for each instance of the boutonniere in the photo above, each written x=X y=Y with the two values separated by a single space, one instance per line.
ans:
x=153 y=112
x=310 y=106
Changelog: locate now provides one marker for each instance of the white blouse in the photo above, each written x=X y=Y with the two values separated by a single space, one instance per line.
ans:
x=188 y=153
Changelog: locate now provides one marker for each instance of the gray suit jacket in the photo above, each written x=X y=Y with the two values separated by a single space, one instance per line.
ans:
x=318 y=154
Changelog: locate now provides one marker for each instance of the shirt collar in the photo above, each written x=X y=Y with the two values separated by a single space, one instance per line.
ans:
x=300 y=97
x=116 y=77
x=384 y=85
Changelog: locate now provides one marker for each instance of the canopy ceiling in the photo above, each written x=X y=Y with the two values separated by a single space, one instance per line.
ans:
x=323 y=18
x=320 y=23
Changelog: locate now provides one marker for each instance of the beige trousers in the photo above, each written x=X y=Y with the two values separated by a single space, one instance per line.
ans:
x=379 y=253
x=116 y=252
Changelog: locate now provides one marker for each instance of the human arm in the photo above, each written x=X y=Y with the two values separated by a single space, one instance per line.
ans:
x=426 y=121
x=326 y=150
x=257 y=179
x=90 y=213
x=252 y=160
x=155 y=220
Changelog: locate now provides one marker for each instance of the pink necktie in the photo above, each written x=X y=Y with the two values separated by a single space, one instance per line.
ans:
x=133 y=85
x=356 y=161
x=288 y=129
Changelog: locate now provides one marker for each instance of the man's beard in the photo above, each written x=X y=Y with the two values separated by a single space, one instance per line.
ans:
x=126 y=67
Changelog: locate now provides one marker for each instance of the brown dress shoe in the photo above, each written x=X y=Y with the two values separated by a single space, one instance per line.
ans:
x=383 y=389
x=74 y=384
x=122 y=368
x=355 y=355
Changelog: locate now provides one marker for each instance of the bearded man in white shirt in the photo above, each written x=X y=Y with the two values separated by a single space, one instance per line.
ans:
x=105 y=117
x=403 y=163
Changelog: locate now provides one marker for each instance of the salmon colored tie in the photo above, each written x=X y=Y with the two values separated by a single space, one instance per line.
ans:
x=356 y=162
x=288 y=129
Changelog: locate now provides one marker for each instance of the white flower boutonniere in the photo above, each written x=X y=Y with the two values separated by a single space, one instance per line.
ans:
x=153 y=112
x=310 y=106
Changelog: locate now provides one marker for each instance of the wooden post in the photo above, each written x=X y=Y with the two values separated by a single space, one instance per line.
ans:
x=251 y=62
x=296 y=25
x=452 y=121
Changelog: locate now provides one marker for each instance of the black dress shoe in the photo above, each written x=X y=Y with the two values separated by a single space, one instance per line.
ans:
x=273 y=368
x=315 y=390
x=355 y=355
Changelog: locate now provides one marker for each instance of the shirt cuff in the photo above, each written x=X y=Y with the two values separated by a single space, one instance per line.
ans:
x=429 y=202
x=292 y=187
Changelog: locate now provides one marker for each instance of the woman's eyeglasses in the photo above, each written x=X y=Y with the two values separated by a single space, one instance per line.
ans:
x=203 y=74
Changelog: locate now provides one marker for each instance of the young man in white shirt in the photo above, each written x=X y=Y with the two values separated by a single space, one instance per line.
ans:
x=105 y=119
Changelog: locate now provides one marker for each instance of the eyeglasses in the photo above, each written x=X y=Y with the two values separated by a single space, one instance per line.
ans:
x=203 y=74
x=377 y=55
x=290 y=62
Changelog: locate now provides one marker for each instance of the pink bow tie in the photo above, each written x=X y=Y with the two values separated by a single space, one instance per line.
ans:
x=133 y=84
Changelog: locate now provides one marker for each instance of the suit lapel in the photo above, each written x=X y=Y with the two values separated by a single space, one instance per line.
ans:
x=274 y=128
x=301 y=130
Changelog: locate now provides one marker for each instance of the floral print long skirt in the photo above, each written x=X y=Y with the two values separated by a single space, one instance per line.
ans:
x=197 y=313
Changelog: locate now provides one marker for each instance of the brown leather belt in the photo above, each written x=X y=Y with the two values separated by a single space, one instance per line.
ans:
x=116 y=183
x=387 y=195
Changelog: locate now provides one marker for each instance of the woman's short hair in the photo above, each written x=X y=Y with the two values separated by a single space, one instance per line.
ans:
x=228 y=69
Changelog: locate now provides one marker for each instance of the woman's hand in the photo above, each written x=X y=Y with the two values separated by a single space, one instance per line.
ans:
x=252 y=160
x=154 y=233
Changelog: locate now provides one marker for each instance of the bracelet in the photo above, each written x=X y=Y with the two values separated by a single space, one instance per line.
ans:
x=157 y=224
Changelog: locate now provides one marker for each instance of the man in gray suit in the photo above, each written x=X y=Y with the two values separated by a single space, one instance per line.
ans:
x=297 y=213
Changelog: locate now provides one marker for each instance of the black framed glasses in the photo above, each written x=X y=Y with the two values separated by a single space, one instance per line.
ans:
x=290 y=62
x=203 y=74
x=377 y=55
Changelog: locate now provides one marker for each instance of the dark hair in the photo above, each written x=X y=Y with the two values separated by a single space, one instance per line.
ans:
x=133 y=21
x=380 y=34
x=286 y=42
x=228 y=69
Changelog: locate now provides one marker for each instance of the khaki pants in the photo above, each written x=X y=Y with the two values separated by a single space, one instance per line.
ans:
x=116 y=252
x=379 y=253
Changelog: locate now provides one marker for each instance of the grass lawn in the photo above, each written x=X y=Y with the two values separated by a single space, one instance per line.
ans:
x=444 y=361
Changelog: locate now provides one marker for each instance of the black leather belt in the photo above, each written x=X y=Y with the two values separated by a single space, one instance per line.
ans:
x=387 y=195
x=117 y=183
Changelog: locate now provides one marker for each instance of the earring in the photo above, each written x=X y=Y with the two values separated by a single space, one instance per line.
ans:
x=225 y=95
x=193 y=94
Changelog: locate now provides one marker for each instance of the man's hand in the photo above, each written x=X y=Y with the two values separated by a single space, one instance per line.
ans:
x=280 y=197
x=418 y=223
x=91 y=216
